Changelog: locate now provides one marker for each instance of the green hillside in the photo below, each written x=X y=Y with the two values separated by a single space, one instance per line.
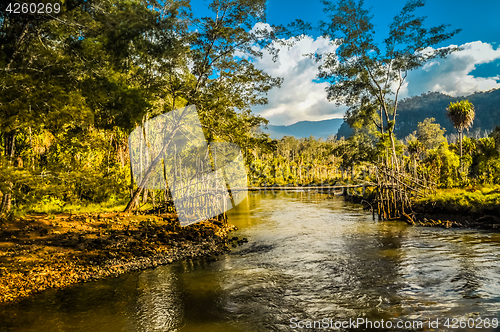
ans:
x=413 y=110
x=300 y=129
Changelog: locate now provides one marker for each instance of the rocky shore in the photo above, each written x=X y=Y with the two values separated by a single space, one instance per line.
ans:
x=42 y=252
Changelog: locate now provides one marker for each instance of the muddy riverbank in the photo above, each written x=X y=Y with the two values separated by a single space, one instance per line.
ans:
x=429 y=214
x=307 y=258
x=39 y=252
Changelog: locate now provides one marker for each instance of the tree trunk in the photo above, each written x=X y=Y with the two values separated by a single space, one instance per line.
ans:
x=32 y=153
x=140 y=186
x=381 y=122
x=461 y=133
x=131 y=188
x=461 y=138
x=393 y=148
x=145 y=195
x=10 y=143
x=6 y=202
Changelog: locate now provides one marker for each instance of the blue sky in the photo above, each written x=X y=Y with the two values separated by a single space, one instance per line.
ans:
x=302 y=97
x=478 y=19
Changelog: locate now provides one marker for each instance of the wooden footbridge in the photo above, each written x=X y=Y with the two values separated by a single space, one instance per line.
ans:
x=323 y=188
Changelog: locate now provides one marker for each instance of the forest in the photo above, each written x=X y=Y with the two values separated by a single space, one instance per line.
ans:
x=75 y=84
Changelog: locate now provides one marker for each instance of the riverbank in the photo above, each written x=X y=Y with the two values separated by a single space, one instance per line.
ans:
x=475 y=207
x=304 y=252
x=43 y=251
x=471 y=207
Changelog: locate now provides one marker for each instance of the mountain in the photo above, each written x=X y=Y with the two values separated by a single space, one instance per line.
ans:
x=300 y=129
x=344 y=130
x=416 y=109
x=413 y=110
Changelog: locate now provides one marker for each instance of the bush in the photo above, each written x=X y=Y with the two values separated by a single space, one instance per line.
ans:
x=445 y=164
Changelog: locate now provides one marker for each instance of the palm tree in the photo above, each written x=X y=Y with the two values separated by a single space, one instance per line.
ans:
x=461 y=113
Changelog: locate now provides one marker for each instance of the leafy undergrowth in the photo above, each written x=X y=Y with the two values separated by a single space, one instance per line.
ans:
x=41 y=251
x=470 y=200
x=55 y=206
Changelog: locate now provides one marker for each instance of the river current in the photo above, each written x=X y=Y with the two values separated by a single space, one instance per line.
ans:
x=310 y=262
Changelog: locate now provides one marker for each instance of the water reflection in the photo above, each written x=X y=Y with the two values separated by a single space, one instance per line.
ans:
x=308 y=258
x=158 y=307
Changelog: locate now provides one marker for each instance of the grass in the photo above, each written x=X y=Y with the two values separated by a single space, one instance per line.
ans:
x=51 y=208
x=465 y=200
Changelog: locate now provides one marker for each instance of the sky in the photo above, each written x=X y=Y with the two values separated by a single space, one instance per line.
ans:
x=303 y=97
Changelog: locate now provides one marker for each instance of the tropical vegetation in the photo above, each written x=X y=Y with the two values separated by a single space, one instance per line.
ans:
x=75 y=85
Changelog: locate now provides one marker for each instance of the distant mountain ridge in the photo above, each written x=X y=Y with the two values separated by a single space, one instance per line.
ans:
x=323 y=128
x=416 y=109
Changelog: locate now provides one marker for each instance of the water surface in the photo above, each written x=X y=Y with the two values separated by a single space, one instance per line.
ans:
x=308 y=258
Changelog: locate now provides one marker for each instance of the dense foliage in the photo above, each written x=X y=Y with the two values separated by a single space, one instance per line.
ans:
x=479 y=164
x=76 y=83
x=367 y=76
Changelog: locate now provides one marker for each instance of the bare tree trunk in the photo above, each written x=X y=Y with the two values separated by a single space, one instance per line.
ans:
x=393 y=147
x=381 y=122
x=10 y=143
x=6 y=201
x=131 y=180
x=461 y=135
x=140 y=186
x=32 y=154
x=461 y=138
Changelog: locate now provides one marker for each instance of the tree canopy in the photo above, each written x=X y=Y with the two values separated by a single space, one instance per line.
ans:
x=102 y=67
x=461 y=114
x=360 y=72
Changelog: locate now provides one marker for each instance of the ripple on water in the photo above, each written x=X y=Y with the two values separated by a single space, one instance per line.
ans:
x=307 y=258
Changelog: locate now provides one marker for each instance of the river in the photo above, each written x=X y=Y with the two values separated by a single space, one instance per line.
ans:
x=308 y=259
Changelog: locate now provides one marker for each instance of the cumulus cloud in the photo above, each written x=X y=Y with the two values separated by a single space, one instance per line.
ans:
x=299 y=98
x=452 y=75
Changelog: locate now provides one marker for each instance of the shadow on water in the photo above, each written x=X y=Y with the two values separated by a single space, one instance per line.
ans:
x=308 y=259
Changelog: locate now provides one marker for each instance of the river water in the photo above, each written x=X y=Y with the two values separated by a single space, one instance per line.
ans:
x=308 y=259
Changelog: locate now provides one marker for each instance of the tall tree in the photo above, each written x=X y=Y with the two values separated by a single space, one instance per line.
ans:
x=93 y=64
x=461 y=114
x=223 y=83
x=430 y=133
x=360 y=71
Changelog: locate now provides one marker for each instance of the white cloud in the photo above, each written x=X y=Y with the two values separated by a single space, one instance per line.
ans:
x=299 y=98
x=261 y=26
x=451 y=75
